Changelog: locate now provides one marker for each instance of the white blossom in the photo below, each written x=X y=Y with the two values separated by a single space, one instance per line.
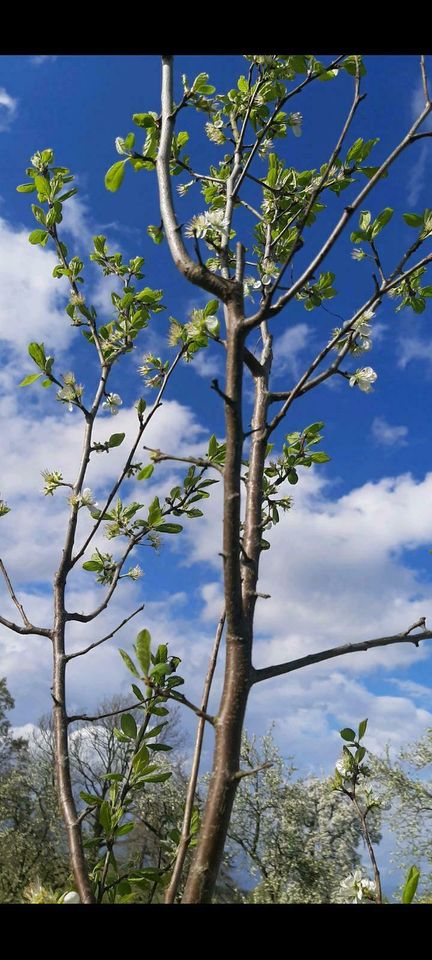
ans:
x=135 y=573
x=112 y=403
x=363 y=379
x=344 y=767
x=83 y=499
x=355 y=886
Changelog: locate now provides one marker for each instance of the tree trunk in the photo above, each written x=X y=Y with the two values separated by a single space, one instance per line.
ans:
x=60 y=724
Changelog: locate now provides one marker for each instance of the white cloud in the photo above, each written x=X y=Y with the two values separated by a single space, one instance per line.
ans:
x=335 y=571
x=40 y=59
x=387 y=435
x=288 y=347
x=418 y=105
x=417 y=179
x=8 y=108
x=413 y=348
x=30 y=299
x=207 y=365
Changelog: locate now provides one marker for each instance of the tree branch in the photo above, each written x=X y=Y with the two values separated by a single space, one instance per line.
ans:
x=290 y=666
x=158 y=457
x=193 y=272
x=28 y=627
x=272 y=311
x=143 y=424
x=97 y=643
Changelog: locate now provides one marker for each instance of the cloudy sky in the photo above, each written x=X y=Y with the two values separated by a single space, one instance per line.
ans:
x=350 y=561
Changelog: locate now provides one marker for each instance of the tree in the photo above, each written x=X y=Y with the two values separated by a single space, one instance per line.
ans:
x=32 y=842
x=296 y=839
x=283 y=203
x=406 y=794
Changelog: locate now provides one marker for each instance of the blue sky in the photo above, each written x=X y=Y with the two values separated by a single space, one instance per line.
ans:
x=350 y=561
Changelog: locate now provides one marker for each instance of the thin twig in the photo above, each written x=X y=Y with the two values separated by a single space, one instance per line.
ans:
x=18 y=605
x=80 y=653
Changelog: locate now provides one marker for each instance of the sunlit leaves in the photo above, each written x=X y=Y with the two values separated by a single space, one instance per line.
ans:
x=115 y=175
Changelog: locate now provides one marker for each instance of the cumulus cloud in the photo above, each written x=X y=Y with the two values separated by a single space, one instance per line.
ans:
x=30 y=300
x=387 y=435
x=8 y=109
x=288 y=348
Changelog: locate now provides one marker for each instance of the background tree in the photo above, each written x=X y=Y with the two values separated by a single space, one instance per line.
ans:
x=405 y=787
x=32 y=840
x=294 y=835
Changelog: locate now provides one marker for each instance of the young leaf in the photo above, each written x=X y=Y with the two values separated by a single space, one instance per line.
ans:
x=114 y=176
x=142 y=647
x=38 y=236
x=347 y=734
x=32 y=377
x=410 y=885
x=381 y=221
x=170 y=528
x=116 y=439
x=146 y=472
x=128 y=725
x=362 y=729
x=129 y=663
x=105 y=817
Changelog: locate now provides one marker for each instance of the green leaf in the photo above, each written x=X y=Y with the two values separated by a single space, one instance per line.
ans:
x=169 y=528
x=105 y=817
x=347 y=734
x=115 y=175
x=32 y=377
x=37 y=353
x=320 y=457
x=128 y=725
x=90 y=798
x=146 y=472
x=116 y=439
x=121 y=831
x=39 y=236
x=353 y=64
x=138 y=693
x=362 y=729
x=144 y=120
x=129 y=663
x=364 y=219
x=314 y=427
x=413 y=219
x=210 y=309
x=154 y=732
x=142 y=647
x=156 y=778
x=156 y=233
x=26 y=188
x=381 y=221
x=93 y=565
x=410 y=885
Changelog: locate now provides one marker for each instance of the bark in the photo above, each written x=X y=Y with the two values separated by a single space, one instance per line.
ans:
x=62 y=765
x=229 y=722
